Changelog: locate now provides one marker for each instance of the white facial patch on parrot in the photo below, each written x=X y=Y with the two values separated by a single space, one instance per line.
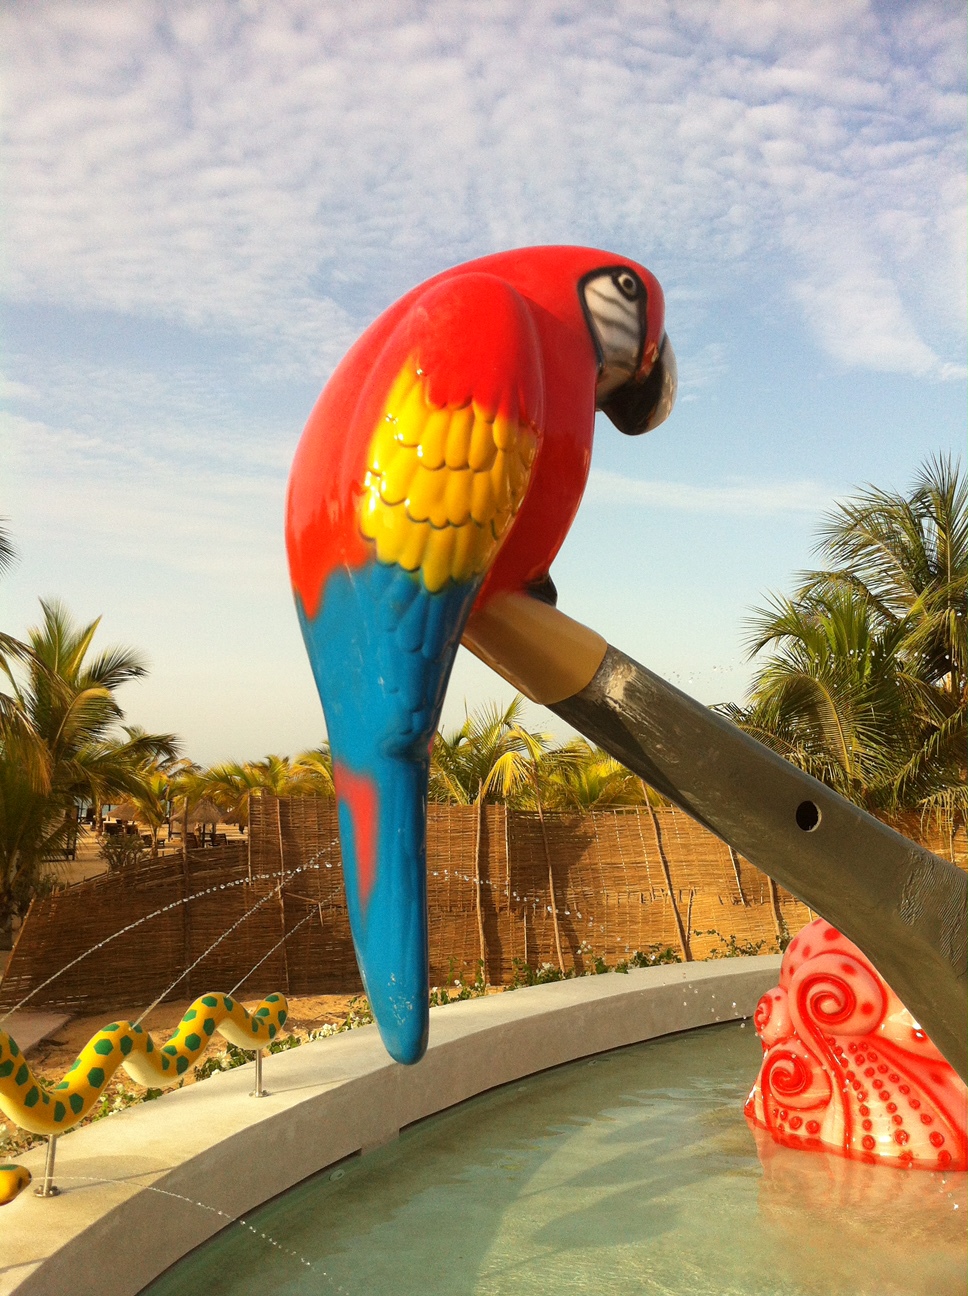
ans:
x=612 y=300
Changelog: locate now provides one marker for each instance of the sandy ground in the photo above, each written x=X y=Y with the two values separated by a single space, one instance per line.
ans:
x=89 y=862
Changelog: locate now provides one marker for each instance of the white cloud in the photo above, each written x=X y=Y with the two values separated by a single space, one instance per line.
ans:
x=859 y=319
x=13 y=390
x=282 y=171
x=192 y=499
x=760 y=499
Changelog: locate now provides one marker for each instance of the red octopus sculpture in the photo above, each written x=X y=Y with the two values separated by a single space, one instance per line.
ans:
x=847 y=1069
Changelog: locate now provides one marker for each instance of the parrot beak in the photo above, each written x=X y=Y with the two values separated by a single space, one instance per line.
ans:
x=645 y=400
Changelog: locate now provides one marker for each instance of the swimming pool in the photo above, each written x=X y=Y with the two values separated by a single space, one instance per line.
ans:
x=633 y=1171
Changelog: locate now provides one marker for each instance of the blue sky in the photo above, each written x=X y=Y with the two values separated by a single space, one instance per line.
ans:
x=205 y=203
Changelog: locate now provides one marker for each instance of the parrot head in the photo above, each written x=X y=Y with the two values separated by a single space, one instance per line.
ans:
x=637 y=374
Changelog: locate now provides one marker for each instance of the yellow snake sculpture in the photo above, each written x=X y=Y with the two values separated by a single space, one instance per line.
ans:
x=40 y=1110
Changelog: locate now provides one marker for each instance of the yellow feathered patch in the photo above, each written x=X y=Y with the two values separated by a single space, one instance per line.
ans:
x=442 y=485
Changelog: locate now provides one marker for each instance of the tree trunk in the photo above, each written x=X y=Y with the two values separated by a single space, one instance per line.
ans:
x=281 y=894
x=477 y=889
x=778 y=919
x=734 y=859
x=551 y=888
x=6 y=921
x=186 y=922
x=680 y=930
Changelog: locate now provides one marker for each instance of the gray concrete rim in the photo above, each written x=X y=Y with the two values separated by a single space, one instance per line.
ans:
x=152 y=1183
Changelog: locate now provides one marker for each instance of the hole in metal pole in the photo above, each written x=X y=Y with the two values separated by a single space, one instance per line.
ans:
x=807 y=816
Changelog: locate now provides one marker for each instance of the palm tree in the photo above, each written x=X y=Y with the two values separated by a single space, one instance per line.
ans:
x=866 y=684
x=151 y=802
x=491 y=757
x=907 y=557
x=230 y=784
x=187 y=786
x=824 y=696
x=580 y=778
x=8 y=554
x=57 y=745
x=315 y=771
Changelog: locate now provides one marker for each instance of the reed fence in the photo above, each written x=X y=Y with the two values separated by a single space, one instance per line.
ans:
x=504 y=888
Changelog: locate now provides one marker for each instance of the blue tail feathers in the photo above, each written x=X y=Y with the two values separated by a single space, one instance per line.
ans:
x=382 y=648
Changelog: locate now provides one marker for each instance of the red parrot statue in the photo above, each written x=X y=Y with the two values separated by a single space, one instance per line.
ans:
x=436 y=479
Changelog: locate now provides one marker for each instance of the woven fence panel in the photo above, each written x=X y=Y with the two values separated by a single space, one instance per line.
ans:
x=504 y=887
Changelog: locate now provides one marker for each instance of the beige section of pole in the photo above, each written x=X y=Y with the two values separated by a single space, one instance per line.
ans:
x=544 y=654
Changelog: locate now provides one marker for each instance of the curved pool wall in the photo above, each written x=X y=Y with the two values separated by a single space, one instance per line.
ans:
x=141 y=1189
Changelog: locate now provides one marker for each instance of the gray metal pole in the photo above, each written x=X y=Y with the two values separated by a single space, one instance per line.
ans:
x=258 y=1091
x=47 y=1188
x=902 y=905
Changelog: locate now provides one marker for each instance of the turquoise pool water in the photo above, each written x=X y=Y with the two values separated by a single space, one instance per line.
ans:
x=633 y=1172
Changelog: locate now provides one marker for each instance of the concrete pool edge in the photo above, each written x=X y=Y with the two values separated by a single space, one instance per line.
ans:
x=145 y=1187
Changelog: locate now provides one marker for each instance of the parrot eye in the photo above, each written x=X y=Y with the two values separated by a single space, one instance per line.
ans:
x=614 y=302
x=628 y=284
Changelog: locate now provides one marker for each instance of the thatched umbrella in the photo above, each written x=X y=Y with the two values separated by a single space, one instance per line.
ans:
x=126 y=810
x=199 y=815
x=206 y=812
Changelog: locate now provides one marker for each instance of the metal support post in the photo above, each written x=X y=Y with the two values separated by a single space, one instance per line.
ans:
x=258 y=1091
x=47 y=1188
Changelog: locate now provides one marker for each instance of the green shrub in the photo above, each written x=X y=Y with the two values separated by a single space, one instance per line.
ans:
x=651 y=956
x=734 y=948
x=122 y=850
